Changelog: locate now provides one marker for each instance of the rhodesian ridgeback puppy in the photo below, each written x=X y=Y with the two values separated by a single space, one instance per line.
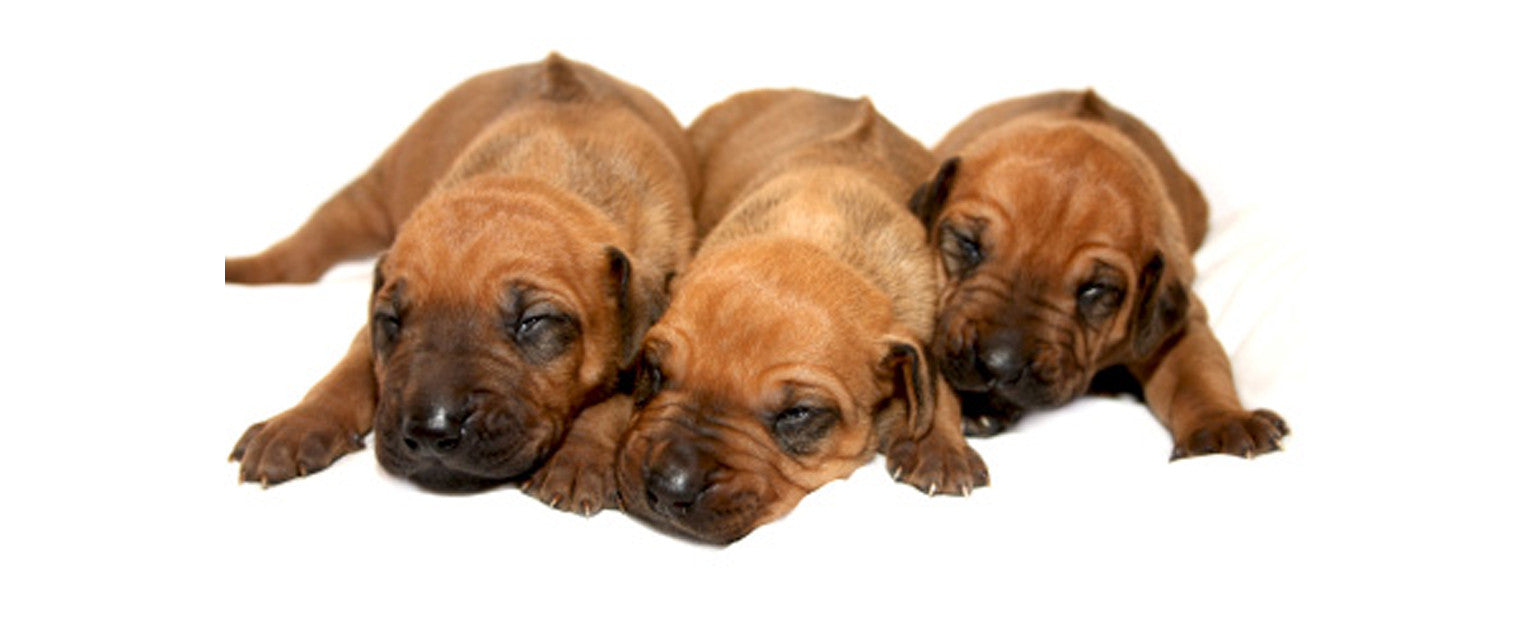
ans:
x=1066 y=231
x=794 y=347
x=532 y=217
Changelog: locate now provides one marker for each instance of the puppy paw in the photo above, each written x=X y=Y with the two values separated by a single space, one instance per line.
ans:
x=1247 y=434
x=575 y=480
x=289 y=446
x=934 y=465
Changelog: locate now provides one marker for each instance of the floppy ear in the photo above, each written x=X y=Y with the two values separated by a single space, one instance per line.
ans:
x=914 y=387
x=377 y=274
x=929 y=198
x=1162 y=307
x=640 y=301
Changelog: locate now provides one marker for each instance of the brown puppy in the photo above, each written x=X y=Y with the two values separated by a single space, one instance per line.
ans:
x=794 y=347
x=1066 y=231
x=516 y=289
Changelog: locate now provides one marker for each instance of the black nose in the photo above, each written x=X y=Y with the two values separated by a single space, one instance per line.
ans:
x=676 y=478
x=435 y=430
x=1000 y=359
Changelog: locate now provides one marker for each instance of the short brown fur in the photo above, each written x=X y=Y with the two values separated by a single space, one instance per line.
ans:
x=809 y=306
x=532 y=217
x=1067 y=230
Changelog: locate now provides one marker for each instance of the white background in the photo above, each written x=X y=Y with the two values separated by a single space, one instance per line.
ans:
x=1367 y=166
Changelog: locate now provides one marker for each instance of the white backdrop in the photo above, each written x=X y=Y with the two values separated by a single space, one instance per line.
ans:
x=1367 y=168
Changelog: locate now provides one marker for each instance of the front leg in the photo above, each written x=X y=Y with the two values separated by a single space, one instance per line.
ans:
x=1190 y=388
x=580 y=476
x=940 y=461
x=328 y=423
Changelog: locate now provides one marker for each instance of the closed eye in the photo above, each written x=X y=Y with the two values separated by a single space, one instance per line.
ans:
x=1098 y=300
x=542 y=333
x=962 y=251
x=799 y=429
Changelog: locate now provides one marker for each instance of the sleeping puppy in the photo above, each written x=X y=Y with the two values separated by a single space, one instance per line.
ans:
x=532 y=216
x=1066 y=231
x=794 y=348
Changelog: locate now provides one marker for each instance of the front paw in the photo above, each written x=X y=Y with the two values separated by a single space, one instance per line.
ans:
x=1247 y=434
x=575 y=480
x=291 y=445
x=934 y=465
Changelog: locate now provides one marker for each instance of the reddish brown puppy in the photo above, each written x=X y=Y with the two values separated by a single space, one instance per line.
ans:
x=1066 y=231
x=794 y=348
x=532 y=217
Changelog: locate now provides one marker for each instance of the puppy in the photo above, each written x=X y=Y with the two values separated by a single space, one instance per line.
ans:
x=534 y=214
x=794 y=348
x=1066 y=231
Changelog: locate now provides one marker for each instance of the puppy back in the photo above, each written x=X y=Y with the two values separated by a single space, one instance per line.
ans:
x=820 y=170
x=751 y=138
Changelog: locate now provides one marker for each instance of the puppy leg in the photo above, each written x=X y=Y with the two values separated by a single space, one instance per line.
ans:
x=580 y=477
x=1191 y=390
x=328 y=423
x=354 y=223
x=940 y=461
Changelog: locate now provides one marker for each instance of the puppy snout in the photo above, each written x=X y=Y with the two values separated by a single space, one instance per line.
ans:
x=1001 y=361
x=1005 y=360
x=1045 y=367
x=435 y=430
x=676 y=478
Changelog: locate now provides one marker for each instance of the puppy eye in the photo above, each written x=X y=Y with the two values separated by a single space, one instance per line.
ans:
x=799 y=429
x=793 y=419
x=961 y=252
x=528 y=325
x=535 y=323
x=1098 y=300
x=542 y=333
x=385 y=326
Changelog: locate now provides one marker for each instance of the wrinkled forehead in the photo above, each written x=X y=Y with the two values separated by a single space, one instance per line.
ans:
x=1058 y=189
x=738 y=323
x=476 y=250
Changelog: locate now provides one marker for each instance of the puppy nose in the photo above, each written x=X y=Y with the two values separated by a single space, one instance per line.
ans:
x=675 y=480
x=1000 y=360
x=437 y=430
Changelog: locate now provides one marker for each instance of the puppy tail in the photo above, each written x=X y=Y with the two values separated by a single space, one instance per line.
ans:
x=561 y=80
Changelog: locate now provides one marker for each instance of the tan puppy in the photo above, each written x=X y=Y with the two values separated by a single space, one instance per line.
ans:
x=516 y=289
x=794 y=347
x=1066 y=231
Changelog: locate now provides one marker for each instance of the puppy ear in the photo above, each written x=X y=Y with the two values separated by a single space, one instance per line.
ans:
x=1162 y=307
x=640 y=299
x=1089 y=105
x=377 y=274
x=914 y=387
x=930 y=197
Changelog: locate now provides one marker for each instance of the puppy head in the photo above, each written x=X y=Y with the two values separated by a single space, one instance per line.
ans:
x=496 y=316
x=1060 y=258
x=773 y=372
